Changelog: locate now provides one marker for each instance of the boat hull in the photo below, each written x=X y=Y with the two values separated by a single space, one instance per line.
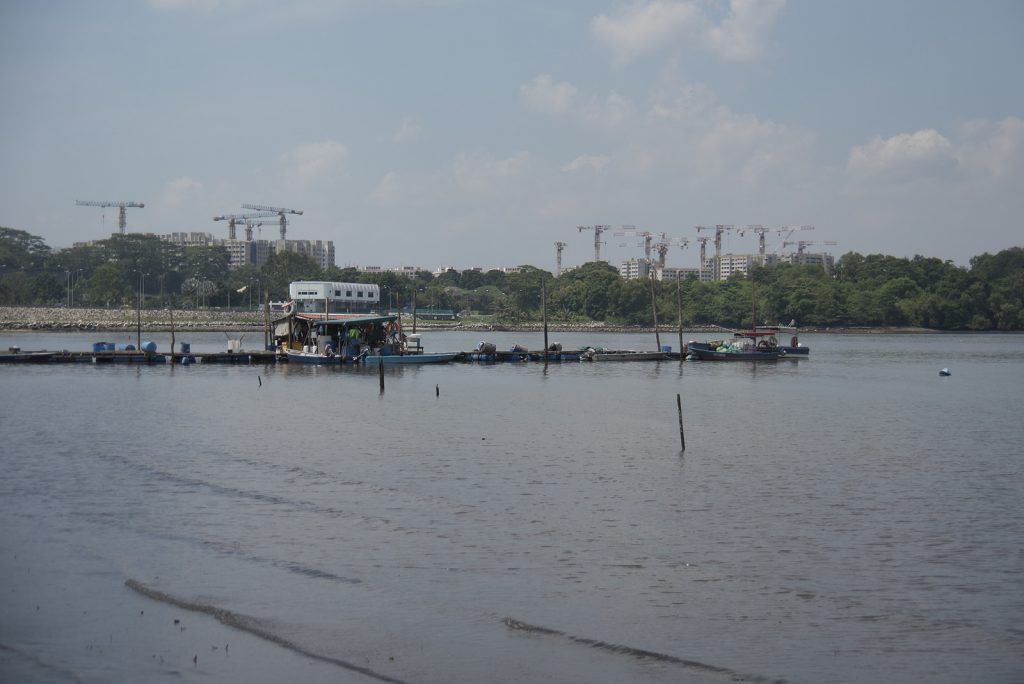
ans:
x=705 y=352
x=410 y=359
x=312 y=358
x=629 y=356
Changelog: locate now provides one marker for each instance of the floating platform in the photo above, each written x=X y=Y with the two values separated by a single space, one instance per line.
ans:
x=135 y=356
x=139 y=357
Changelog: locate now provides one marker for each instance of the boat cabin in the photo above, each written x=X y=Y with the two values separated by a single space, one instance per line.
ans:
x=349 y=336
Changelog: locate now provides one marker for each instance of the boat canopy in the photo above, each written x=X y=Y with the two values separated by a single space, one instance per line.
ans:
x=346 y=322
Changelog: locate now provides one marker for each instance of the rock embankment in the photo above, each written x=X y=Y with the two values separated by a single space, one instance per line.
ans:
x=41 y=318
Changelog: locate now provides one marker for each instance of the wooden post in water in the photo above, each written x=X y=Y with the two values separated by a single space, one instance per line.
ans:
x=679 y=314
x=679 y=406
x=380 y=372
x=654 y=310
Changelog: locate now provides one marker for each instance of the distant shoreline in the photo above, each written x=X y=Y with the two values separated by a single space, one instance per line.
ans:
x=54 y=319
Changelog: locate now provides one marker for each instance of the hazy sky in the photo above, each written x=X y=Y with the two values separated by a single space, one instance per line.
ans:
x=478 y=133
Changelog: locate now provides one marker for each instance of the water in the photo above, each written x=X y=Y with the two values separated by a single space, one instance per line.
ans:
x=852 y=517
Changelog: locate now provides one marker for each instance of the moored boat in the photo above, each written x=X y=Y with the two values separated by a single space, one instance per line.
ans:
x=794 y=349
x=747 y=345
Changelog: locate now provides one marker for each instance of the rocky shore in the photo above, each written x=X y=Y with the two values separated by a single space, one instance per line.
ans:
x=15 y=318
x=61 y=319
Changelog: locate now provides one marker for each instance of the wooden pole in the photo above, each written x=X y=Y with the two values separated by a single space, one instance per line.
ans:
x=266 y=317
x=138 y=317
x=679 y=314
x=413 y=309
x=380 y=372
x=654 y=310
x=679 y=406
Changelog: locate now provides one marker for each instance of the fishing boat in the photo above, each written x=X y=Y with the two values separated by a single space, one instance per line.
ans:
x=625 y=355
x=746 y=345
x=311 y=355
x=332 y=339
x=409 y=351
x=794 y=350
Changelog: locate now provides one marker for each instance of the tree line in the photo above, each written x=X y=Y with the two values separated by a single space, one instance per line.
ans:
x=872 y=290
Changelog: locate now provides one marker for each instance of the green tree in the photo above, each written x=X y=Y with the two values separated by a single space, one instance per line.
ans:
x=22 y=251
x=106 y=287
x=283 y=268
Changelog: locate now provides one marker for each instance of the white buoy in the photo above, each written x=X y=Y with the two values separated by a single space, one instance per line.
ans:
x=944 y=372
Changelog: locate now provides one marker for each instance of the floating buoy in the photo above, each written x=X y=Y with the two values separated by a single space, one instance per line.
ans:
x=944 y=372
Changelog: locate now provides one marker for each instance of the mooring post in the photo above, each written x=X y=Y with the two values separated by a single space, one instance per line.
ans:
x=679 y=406
x=437 y=390
x=380 y=372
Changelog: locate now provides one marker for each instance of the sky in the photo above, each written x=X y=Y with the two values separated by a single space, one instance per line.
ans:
x=478 y=133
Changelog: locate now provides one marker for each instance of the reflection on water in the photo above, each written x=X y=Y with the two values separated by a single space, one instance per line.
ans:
x=848 y=517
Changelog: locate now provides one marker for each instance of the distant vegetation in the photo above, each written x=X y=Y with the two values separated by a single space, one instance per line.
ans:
x=873 y=290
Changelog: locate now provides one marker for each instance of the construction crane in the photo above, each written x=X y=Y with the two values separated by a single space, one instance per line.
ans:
x=251 y=223
x=703 y=251
x=645 y=234
x=232 y=218
x=789 y=230
x=759 y=230
x=597 y=236
x=122 y=221
x=559 y=246
x=280 y=211
x=719 y=229
x=802 y=244
x=662 y=245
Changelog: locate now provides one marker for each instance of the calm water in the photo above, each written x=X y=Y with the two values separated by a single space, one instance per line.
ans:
x=852 y=517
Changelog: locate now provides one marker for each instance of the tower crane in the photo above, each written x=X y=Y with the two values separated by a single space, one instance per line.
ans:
x=597 y=236
x=122 y=221
x=559 y=246
x=231 y=218
x=280 y=211
x=802 y=244
x=661 y=247
x=759 y=230
x=645 y=234
x=703 y=250
x=719 y=229
x=789 y=230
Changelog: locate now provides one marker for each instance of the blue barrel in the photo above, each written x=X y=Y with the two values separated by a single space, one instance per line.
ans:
x=186 y=348
x=125 y=347
x=148 y=347
x=99 y=346
x=667 y=348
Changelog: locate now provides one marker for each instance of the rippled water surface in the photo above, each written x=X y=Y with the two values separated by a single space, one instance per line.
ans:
x=851 y=517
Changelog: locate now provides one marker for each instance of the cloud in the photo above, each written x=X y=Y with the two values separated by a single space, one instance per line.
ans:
x=477 y=172
x=993 y=148
x=408 y=131
x=905 y=156
x=643 y=27
x=592 y=162
x=546 y=96
x=742 y=35
x=647 y=26
x=308 y=162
